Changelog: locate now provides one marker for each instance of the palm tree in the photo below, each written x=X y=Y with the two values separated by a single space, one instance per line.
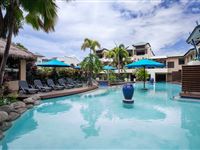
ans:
x=92 y=45
x=92 y=65
x=40 y=14
x=119 y=54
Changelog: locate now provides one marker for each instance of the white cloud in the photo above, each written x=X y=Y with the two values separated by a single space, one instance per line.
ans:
x=99 y=20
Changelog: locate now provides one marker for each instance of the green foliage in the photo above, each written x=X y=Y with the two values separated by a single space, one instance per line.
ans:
x=119 y=55
x=7 y=97
x=91 y=63
x=91 y=44
x=112 y=77
x=21 y=46
x=40 y=14
x=140 y=74
x=47 y=72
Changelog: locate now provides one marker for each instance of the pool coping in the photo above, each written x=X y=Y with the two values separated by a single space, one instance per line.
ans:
x=66 y=92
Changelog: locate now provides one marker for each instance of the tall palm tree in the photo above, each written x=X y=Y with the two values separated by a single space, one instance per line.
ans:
x=119 y=54
x=92 y=45
x=40 y=14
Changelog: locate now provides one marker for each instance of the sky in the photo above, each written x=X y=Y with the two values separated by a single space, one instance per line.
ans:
x=165 y=24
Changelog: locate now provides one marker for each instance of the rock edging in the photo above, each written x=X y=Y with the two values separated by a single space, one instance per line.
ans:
x=11 y=112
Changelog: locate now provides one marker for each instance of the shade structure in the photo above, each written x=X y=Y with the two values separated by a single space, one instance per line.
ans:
x=145 y=63
x=53 y=63
x=77 y=67
x=109 y=68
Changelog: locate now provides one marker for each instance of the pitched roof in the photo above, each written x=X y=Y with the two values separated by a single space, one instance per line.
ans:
x=15 y=51
x=195 y=35
x=192 y=49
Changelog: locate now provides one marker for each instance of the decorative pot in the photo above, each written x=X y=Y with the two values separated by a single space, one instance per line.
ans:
x=151 y=81
x=128 y=91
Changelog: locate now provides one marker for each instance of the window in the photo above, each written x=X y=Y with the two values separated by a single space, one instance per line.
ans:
x=181 y=61
x=140 y=52
x=138 y=47
x=170 y=64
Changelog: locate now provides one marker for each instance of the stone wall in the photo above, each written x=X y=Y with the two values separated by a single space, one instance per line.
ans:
x=9 y=113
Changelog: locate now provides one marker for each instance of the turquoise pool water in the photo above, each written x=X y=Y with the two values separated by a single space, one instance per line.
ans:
x=99 y=120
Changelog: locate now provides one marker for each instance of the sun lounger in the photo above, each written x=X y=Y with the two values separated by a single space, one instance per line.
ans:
x=62 y=82
x=38 y=84
x=70 y=81
x=51 y=84
x=25 y=88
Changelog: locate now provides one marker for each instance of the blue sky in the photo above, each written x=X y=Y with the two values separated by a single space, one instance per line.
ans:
x=164 y=24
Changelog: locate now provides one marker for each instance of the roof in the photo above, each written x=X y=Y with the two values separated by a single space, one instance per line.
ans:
x=38 y=54
x=101 y=50
x=158 y=57
x=171 y=56
x=15 y=51
x=69 y=60
x=141 y=44
x=190 y=50
x=195 y=35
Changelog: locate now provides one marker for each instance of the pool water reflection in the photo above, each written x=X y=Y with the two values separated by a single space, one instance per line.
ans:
x=103 y=121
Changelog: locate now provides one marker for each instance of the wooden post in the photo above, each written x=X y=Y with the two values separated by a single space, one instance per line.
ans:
x=22 y=72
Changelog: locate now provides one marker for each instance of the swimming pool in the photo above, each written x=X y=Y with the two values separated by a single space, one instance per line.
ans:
x=98 y=119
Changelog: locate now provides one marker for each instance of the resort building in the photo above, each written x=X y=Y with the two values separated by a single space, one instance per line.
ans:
x=191 y=71
x=39 y=58
x=69 y=60
x=66 y=59
x=173 y=64
x=141 y=51
x=16 y=64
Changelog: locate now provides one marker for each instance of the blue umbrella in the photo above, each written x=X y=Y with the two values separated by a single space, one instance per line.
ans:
x=53 y=63
x=77 y=67
x=144 y=63
x=108 y=68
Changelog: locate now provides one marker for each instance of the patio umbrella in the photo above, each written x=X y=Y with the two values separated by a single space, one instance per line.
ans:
x=144 y=63
x=53 y=63
x=108 y=68
x=77 y=67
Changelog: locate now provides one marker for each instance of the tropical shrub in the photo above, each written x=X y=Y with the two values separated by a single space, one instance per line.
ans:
x=140 y=74
x=112 y=77
x=92 y=64
x=120 y=56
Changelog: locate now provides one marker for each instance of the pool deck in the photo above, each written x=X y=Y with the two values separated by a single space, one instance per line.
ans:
x=195 y=95
x=59 y=93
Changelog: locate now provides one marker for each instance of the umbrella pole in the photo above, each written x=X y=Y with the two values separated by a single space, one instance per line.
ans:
x=108 y=75
x=144 y=77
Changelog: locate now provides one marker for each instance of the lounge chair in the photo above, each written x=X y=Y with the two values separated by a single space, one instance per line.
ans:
x=51 y=84
x=72 y=82
x=62 y=82
x=25 y=88
x=38 y=84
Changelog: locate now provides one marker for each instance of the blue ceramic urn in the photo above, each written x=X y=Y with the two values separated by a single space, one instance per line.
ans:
x=128 y=91
x=151 y=81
